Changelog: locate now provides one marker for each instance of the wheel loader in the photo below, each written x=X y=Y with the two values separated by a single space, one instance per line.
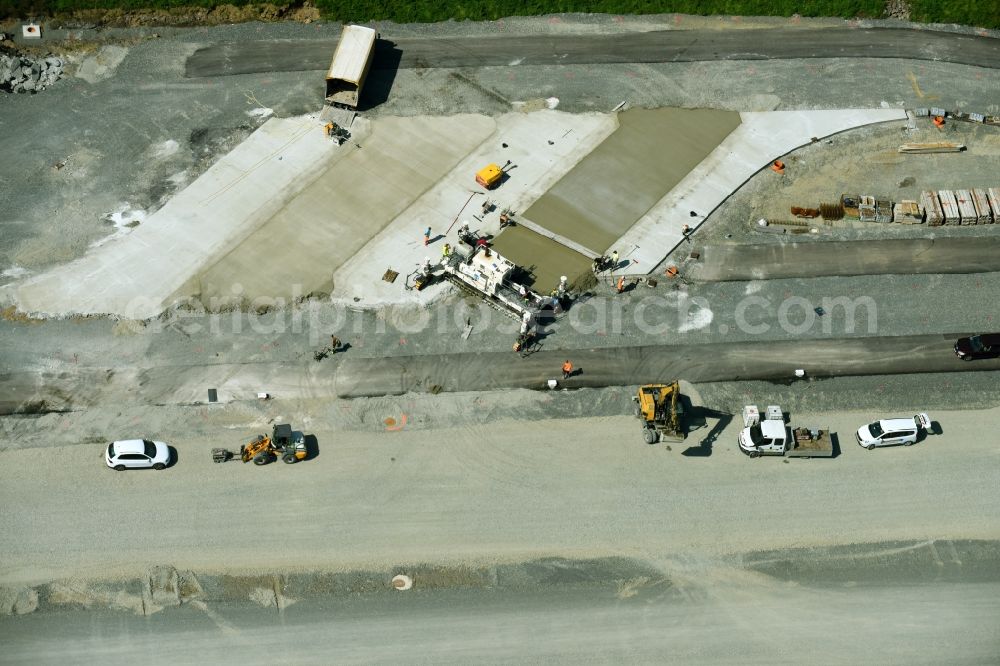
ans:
x=659 y=408
x=283 y=443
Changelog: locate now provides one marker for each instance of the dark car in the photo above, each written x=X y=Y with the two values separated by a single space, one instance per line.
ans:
x=986 y=345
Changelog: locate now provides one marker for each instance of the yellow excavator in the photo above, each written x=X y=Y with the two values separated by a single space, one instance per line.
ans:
x=659 y=408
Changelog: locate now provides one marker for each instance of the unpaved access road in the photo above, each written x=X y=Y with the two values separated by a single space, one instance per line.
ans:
x=685 y=611
x=79 y=387
x=642 y=47
x=503 y=491
x=887 y=257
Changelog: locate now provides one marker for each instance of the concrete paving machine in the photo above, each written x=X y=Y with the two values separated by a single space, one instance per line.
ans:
x=486 y=274
x=659 y=408
x=285 y=443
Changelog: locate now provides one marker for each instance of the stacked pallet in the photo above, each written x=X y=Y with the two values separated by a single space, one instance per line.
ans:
x=993 y=196
x=982 y=203
x=883 y=211
x=907 y=212
x=949 y=206
x=931 y=206
x=966 y=208
x=866 y=208
x=849 y=202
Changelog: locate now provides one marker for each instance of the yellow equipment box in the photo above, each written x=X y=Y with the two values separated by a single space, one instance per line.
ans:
x=489 y=176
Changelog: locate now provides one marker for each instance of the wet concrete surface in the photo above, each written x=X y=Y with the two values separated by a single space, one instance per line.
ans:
x=621 y=179
x=842 y=602
x=545 y=259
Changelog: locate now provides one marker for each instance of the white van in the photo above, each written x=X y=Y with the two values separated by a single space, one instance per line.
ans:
x=888 y=432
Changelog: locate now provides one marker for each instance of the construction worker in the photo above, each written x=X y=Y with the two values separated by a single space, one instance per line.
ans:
x=446 y=251
x=567 y=369
x=427 y=235
x=334 y=344
x=614 y=259
x=620 y=287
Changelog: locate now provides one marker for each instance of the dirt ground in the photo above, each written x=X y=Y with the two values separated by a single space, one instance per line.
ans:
x=473 y=482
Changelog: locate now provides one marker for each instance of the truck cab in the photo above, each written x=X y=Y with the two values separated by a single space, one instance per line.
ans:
x=769 y=437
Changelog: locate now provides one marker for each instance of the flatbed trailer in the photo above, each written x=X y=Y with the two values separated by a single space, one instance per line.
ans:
x=810 y=443
x=773 y=437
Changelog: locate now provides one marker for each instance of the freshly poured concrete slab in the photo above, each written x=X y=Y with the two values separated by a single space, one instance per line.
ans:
x=761 y=138
x=543 y=257
x=542 y=145
x=608 y=191
x=134 y=276
x=297 y=250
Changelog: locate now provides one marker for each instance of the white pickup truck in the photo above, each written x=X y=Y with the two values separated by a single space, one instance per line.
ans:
x=773 y=437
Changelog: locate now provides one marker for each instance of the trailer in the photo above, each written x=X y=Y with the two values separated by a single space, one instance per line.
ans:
x=350 y=65
x=773 y=437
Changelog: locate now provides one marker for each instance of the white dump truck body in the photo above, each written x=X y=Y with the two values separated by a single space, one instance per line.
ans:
x=350 y=65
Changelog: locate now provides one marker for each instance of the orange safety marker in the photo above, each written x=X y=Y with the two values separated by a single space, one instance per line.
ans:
x=778 y=166
x=939 y=121
x=671 y=272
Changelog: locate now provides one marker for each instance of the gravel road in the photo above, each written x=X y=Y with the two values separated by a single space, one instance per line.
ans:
x=489 y=492
x=928 y=607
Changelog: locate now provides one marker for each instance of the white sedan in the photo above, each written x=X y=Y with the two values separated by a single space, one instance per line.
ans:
x=136 y=454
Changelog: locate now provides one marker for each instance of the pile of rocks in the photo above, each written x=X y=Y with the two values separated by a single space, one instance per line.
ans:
x=20 y=74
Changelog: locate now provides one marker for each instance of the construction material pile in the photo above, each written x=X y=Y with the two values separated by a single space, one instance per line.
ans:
x=964 y=207
x=20 y=74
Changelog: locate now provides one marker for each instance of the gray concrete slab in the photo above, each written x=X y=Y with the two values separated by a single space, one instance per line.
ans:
x=298 y=250
x=616 y=184
x=874 y=257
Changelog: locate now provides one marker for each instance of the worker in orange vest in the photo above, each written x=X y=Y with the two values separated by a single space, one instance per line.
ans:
x=621 y=284
x=567 y=369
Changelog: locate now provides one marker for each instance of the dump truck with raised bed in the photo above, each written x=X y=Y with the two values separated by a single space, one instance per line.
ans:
x=350 y=65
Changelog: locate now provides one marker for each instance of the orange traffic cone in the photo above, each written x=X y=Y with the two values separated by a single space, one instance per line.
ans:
x=778 y=166
x=939 y=121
